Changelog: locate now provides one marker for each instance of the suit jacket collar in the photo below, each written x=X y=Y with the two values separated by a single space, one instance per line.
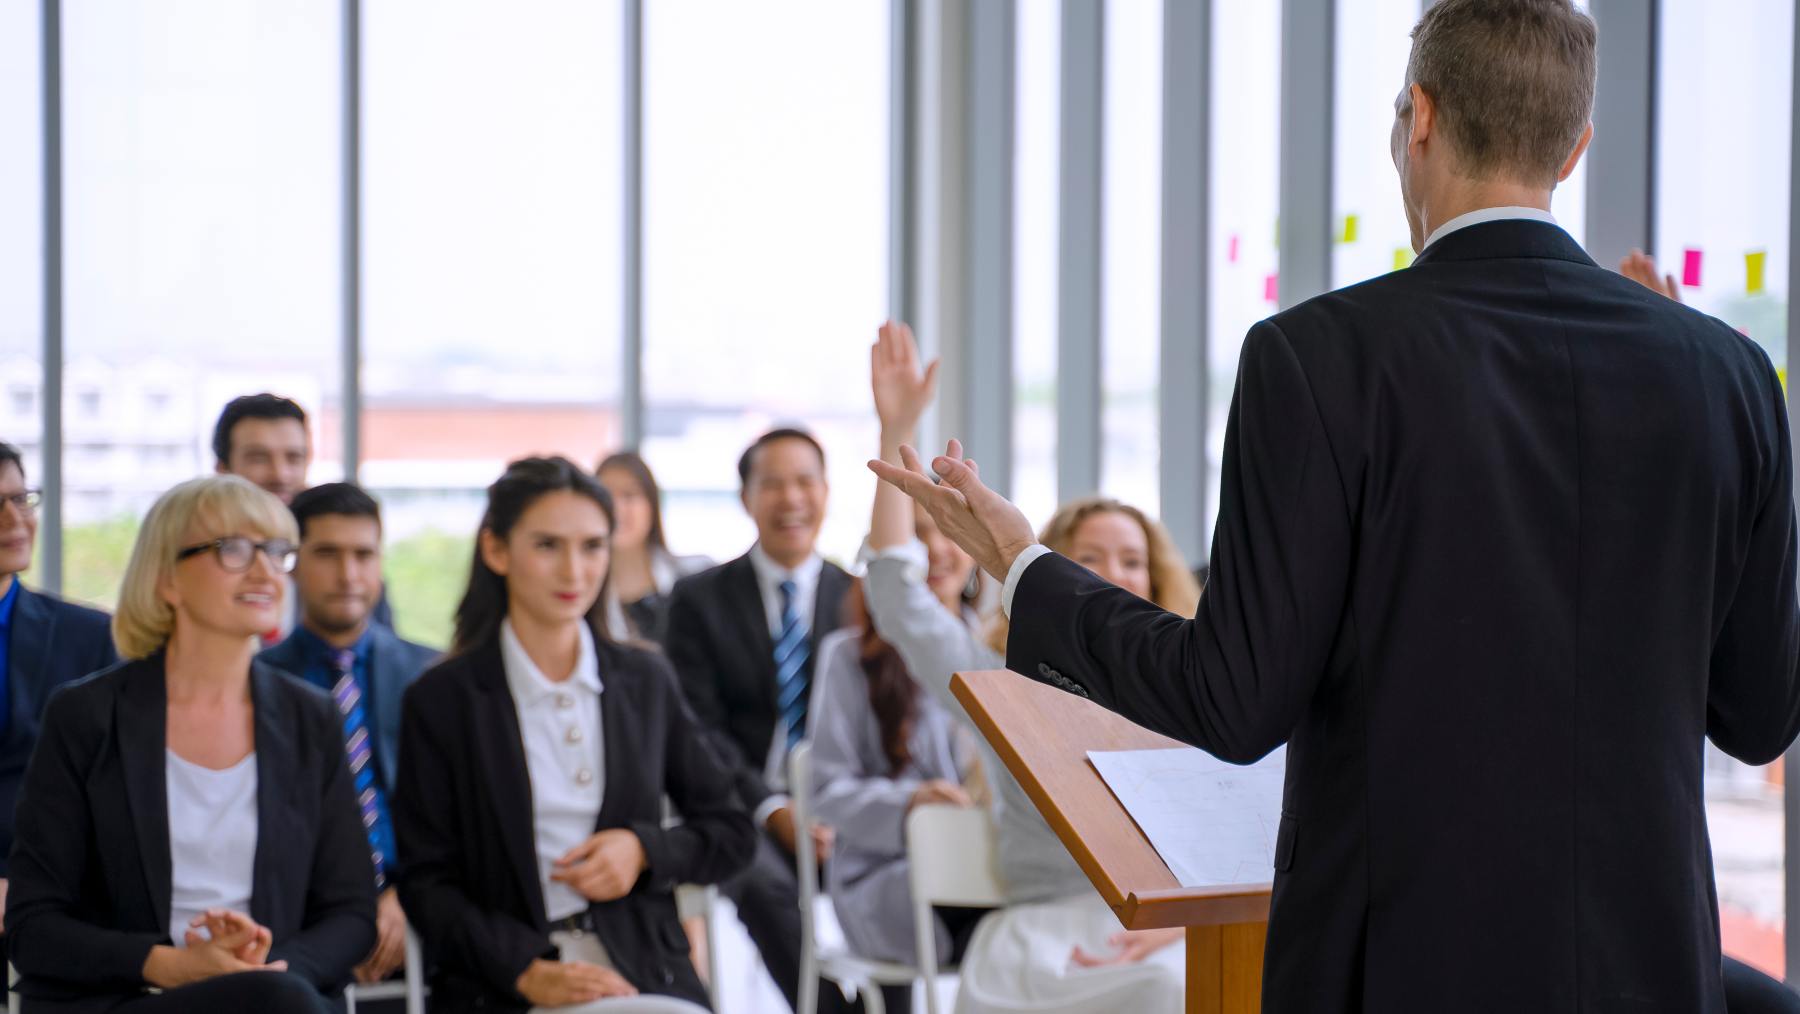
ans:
x=142 y=723
x=829 y=606
x=743 y=594
x=33 y=627
x=509 y=781
x=1506 y=239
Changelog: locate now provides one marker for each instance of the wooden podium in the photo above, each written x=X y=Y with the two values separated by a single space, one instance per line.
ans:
x=1043 y=735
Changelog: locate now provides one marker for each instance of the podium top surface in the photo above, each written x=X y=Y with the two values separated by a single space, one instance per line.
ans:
x=1043 y=736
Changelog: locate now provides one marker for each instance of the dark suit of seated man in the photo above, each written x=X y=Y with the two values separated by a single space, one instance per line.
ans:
x=339 y=647
x=44 y=643
x=742 y=637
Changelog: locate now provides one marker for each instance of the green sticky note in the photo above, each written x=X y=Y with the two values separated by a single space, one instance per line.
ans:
x=1349 y=235
x=1403 y=258
x=1754 y=263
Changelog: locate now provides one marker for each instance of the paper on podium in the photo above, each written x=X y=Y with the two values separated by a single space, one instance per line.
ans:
x=1213 y=823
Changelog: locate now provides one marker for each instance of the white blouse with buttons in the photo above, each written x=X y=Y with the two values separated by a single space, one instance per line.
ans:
x=564 y=756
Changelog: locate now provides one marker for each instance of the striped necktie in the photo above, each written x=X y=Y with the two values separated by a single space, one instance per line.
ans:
x=792 y=678
x=369 y=799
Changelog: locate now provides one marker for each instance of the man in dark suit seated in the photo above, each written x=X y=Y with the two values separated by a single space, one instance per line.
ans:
x=44 y=643
x=742 y=637
x=1501 y=538
x=365 y=667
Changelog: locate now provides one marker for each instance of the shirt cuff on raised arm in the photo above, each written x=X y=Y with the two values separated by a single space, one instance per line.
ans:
x=1024 y=560
x=768 y=807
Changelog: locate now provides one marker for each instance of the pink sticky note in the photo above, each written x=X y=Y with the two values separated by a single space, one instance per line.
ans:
x=1272 y=288
x=1690 y=268
x=1231 y=249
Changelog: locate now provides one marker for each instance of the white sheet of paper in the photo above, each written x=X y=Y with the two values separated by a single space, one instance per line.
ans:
x=1213 y=823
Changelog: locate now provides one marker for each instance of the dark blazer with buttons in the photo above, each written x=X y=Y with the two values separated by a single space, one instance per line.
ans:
x=52 y=642
x=718 y=639
x=89 y=893
x=1502 y=537
x=463 y=815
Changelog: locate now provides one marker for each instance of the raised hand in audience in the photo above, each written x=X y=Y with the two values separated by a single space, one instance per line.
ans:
x=232 y=942
x=560 y=983
x=902 y=389
x=1640 y=267
x=390 y=940
x=1131 y=946
x=938 y=790
x=605 y=867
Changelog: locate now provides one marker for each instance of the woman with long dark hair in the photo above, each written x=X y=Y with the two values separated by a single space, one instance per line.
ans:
x=644 y=571
x=533 y=765
x=882 y=746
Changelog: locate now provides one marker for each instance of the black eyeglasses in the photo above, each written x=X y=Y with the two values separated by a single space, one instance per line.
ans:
x=27 y=502
x=237 y=552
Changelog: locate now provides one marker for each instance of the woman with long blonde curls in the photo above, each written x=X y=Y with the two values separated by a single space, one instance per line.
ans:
x=1055 y=947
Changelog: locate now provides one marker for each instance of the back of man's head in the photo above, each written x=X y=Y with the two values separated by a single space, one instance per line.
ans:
x=1513 y=81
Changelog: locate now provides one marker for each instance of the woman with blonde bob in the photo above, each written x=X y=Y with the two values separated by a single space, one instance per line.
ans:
x=187 y=822
x=1055 y=947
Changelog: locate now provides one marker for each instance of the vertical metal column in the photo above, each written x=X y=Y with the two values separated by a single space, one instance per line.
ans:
x=1621 y=198
x=1791 y=761
x=1308 y=56
x=1186 y=180
x=1078 y=364
x=350 y=368
x=987 y=335
x=50 y=527
x=631 y=222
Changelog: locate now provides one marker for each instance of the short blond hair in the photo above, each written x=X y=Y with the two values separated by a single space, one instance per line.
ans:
x=219 y=505
x=1172 y=584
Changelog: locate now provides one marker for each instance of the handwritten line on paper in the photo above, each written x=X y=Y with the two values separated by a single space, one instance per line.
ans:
x=1213 y=823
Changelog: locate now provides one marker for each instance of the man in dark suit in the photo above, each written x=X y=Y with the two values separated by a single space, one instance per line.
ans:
x=742 y=637
x=1501 y=537
x=365 y=667
x=44 y=643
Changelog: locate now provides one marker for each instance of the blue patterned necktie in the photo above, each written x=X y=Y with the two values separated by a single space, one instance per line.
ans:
x=791 y=678
x=356 y=743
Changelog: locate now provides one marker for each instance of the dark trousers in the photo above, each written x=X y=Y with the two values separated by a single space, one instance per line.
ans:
x=262 y=992
x=1748 y=991
x=767 y=896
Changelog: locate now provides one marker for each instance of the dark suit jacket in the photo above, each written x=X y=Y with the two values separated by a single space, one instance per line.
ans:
x=89 y=892
x=463 y=815
x=53 y=642
x=718 y=638
x=1501 y=538
x=394 y=663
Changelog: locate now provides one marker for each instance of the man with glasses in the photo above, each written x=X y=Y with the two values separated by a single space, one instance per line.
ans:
x=366 y=667
x=44 y=643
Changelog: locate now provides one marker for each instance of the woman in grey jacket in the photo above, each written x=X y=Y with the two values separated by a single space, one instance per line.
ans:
x=1056 y=947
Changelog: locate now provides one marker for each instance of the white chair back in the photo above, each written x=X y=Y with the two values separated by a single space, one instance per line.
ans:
x=952 y=856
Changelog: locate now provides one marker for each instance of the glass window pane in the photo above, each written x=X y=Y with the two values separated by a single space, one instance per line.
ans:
x=21 y=235
x=201 y=158
x=1244 y=203
x=765 y=259
x=1369 y=230
x=1725 y=85
x=492 y=264
x=1037 y=135
x=1131 y=252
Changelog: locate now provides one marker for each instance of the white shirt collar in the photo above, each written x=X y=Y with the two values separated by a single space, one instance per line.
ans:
x=770 y=574
x=1488 y=215
x=528 y=683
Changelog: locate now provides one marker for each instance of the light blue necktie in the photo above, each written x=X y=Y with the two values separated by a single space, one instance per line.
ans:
x=791 y=677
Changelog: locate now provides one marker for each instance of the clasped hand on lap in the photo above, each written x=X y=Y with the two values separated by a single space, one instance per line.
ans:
x=217 y=942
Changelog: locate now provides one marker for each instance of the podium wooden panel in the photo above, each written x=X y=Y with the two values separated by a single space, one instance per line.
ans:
x=1043 y=736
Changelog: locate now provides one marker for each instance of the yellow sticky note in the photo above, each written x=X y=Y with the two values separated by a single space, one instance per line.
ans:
x=1403 y=258
x=1754 y=263
x=1349 y=235
x=1781 y=375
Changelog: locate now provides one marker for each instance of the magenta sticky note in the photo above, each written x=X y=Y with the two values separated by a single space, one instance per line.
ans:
x=1690 y=268
x=1272 y=288
x=1231 y=249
